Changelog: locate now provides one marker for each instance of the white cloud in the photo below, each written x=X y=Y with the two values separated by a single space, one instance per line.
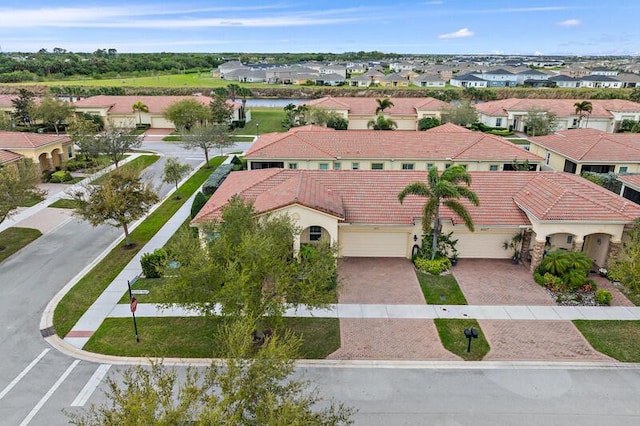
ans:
x=569 y=23
x=464 y=32
x=537 y=53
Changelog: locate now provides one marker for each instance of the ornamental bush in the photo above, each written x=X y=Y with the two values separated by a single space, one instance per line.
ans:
x=153 y=263
x=433 y=267
x=603 y=297
x=60 y=176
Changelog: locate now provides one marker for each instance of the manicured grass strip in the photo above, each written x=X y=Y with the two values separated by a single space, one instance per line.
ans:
x=269 y=120
x=31 y=201
x=617 y=339
x=13 y=239
x=64 y=203
x=155 y=287
x=87 y=290
x=441 y=289
x=194 y=337
x=141 y=163
x=451 y=333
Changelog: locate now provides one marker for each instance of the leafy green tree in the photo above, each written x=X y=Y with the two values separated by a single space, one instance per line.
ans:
x=174 y=171
x=427 y=123
x=444 y=189
x=115 y=141
x=625 y=267
x=232 y=91
x=198 y=203
x=327 y=118
x=221 y=111
x=51 y=111
x=23 y=104
x=382 y=123
x=139 y=107
x=206 y=137
x=521 y=166
x=249 y=267
x=299 y=115
x=337 y=122
x=18 y=184
x=83 y=133
x=187 y=113
x=629 y=126
x=635 y=94
x=383 y=104
x=122 y=198
x=5 y=122
x=463 y=115
x=254 y=387
x=583 y=108
x=244 y=93
x=540 y=122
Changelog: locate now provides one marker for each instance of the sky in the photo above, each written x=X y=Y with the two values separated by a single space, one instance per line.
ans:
x=540 y=27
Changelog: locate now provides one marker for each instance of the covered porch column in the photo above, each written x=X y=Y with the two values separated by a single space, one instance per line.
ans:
x=537 y=253
x=613 y=250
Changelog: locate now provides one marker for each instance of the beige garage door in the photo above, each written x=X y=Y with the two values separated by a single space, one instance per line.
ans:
x=373 y=244
x=484 y=244
x=161 y=123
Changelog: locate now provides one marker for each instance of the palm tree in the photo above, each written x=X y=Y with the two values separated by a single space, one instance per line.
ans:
x=382 y=123
x=244 y=93
x=232 y=90
x=442 y=189
x=583 y=108
x=383 y=104
x=140 y=107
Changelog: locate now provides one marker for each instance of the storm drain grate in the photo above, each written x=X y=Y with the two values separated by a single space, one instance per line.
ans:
x=49 y=331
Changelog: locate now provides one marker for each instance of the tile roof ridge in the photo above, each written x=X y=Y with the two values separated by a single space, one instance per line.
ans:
x=268 y=143
x=478 y=138
x=313 y=145
x=563 y=192
x=597 y=141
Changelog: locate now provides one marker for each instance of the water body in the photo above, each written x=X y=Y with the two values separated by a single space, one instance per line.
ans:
x=273 y=103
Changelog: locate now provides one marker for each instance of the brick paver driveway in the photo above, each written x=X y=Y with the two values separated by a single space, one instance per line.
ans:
x=498 y=282
x=384 y=280
x=521 y=340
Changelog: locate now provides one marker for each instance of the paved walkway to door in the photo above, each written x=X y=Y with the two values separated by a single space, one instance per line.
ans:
x=381 y=280
x=498 y=282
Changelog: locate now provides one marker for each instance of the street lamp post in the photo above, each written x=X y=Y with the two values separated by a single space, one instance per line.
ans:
x=257 y=129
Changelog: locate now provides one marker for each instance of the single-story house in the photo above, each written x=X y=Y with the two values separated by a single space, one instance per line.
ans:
x=406 y=112
x=118 y=109
x=562 y=80
x=429 y=80
x=320 y=148
x=630 y=188
x=8 y=157
x=49 y=151
x=468 y=80
x=512 y=113
x=498 y=78
x=600 y=81
x=359 y=211
x=588 y=150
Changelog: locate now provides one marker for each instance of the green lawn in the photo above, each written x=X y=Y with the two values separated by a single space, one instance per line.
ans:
x=64 y=203
x=441 y=289
x=31 y=201
x=14 y=238
x=451 y=333
x=194 y=337
x=141 y=163
x=617 y=339
x=155 y=287
x=519 y=141
x=87 y=290
x=269 y=120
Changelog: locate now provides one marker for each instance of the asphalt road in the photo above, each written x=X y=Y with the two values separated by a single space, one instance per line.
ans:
x=37 y=382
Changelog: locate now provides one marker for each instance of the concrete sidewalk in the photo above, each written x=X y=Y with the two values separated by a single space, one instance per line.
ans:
x=364 y=311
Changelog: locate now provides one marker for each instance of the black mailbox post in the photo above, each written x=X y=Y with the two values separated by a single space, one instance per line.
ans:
x=471 y=333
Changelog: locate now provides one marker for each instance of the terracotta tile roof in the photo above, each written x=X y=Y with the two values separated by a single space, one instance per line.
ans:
x=371 y=197
x=560 y=107
x=592 y=145
x=22 y=140
x=439 y=143
x=123 y=104
x=367 y=106
x=7 y=156
x=630 y=180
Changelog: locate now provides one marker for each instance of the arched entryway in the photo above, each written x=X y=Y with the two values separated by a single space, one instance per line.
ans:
x=43 y=160
x=56 y=158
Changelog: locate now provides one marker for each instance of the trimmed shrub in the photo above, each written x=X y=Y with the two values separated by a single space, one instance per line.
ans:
x=603 y=297
x=60 y=176
x=198 y=203
x=433 y=267
x=216 y=178
x=153 y=263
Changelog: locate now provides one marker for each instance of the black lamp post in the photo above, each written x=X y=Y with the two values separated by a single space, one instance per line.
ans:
x=257 y=129
x=470 y=334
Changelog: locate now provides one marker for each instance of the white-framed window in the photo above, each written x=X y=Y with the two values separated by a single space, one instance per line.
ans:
x=493 y=167
x=498 y=122
x=407 y=166
x=69 y=151
x=337 y=166
x=569 y=239
x=429 y=166
x=355 y=166
x=293 y=166
x=377 y=166
x=623 y=169
x=323 y=166
x=547 y=158
x=315 y=233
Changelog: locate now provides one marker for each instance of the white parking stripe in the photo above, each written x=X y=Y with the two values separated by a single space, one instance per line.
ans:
x=91 y=386
x=50 y=392
x=23 y=373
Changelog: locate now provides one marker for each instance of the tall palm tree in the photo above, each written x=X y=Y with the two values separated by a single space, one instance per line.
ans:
x=583 y=108
x=383 y=104
x=442 y=189
x=232 y=91
x=244 y=93
x=140 y=107
x=382 y=123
